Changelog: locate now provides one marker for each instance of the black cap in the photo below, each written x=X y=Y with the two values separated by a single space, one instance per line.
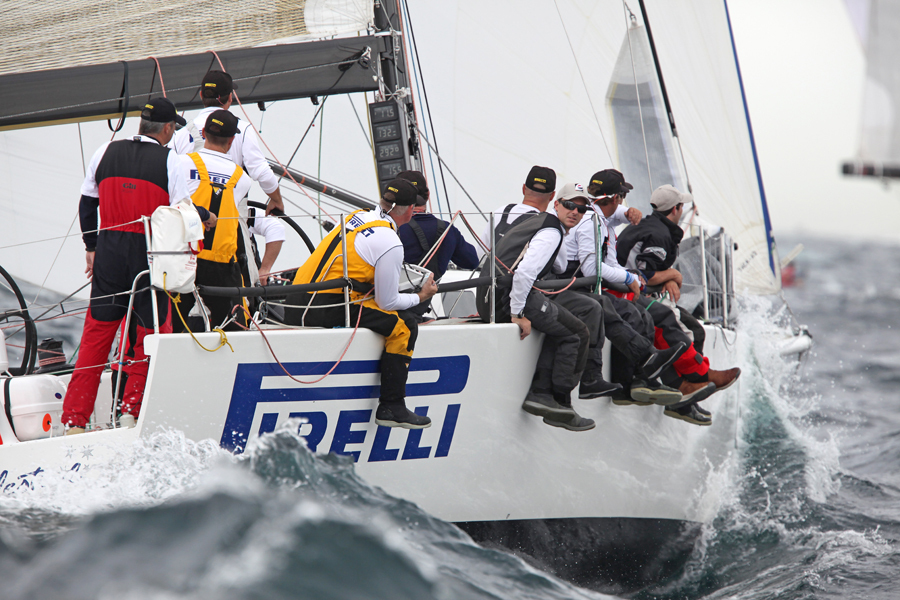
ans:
x=216 y=83
x=608 y=182
x=161 y=110
x=417 y=179
x=400 y=192
x=541 y=179
x=222 y=123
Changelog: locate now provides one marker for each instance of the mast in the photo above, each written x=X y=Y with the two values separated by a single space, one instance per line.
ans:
x=393 y=117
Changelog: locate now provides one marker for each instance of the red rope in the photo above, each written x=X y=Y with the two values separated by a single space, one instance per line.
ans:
x=272 y=352
x=159 y=70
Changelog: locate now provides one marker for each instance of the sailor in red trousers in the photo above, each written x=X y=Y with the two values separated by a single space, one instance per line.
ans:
x=126 y=180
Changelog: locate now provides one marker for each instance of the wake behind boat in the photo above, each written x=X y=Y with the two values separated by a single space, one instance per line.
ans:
x=623 y=502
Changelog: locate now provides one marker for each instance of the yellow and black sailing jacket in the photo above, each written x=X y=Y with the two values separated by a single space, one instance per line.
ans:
x=327 y=262
x=221 y=242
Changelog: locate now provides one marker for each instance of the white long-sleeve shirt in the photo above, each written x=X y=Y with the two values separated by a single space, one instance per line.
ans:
x=244 y=150
x=581 y=246
x=540 y=248
x=381 y=248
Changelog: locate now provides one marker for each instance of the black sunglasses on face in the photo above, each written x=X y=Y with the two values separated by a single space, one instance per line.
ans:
x=570 y=205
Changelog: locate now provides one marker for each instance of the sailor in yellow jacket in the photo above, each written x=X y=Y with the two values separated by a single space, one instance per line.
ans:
x=374 y=256
x=216 y=184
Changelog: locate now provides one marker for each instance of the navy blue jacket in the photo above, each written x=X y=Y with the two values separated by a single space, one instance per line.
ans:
x=454 y=247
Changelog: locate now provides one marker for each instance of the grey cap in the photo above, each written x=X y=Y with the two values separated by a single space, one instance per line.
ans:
x=665 y=197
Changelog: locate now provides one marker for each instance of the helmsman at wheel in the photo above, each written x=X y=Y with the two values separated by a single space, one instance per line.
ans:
x=127 y=179
x=374 y=256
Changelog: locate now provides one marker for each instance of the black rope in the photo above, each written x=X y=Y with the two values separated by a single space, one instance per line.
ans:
x=123 y=102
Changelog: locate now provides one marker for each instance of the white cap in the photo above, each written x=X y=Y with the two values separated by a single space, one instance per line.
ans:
x=665 y=197
x=574 y=190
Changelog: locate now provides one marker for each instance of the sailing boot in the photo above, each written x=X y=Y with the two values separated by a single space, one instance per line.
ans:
x=689 y=414
x=392 y=411
x=541 y=403
x=724 y=379
x=623 y=398
x=573 y=421
x=660 y=359
x=695 y=392
x=397 y=415
x=652 y=391
x=594 y=386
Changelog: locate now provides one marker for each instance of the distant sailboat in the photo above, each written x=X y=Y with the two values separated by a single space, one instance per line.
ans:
x=877 y=23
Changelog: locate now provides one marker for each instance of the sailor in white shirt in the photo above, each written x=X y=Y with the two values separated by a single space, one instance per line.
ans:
x=532 y=248
x=216 y=92
x=217 y=183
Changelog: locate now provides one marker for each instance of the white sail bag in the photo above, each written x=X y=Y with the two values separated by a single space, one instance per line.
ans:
x=176 y=233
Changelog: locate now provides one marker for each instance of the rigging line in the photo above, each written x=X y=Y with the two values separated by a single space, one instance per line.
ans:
x=358 y=120
x=68 y=235
x=423 y=91
x=308 y=127
x=243 y=110
x=81 y=147
x=55 y=258
x=637 y=91
x=183 y=88
x=455 y=178
x=583 y=82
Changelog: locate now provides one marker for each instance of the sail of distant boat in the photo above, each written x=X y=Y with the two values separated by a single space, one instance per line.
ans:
x=877 y=23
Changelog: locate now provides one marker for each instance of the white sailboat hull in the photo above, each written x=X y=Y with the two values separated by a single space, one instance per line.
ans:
x=484 y=459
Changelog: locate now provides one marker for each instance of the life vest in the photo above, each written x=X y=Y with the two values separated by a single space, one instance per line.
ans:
x=505 y=224
x=510 y=250
x=327 y=262
x=220 y=243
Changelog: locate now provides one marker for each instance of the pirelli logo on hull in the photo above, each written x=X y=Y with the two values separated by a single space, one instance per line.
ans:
x=340 y=418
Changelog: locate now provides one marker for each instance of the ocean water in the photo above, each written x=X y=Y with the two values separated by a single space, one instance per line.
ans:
x=810 y=507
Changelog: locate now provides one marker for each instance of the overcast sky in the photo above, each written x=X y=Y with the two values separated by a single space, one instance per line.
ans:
x=803 y=70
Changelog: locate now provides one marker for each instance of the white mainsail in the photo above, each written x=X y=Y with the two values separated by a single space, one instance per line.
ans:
x=512 y=85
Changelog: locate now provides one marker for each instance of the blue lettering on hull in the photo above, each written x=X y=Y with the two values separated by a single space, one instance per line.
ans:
x=247 y=394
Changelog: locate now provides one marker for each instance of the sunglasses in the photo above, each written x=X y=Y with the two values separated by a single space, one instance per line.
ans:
x=570 y=205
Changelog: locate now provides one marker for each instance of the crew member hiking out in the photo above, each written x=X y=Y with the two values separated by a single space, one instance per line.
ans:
x=374 y=257
x=626 y=326
x=650 y=249
x=528 y=251
x=216 y=184
x=126 y=180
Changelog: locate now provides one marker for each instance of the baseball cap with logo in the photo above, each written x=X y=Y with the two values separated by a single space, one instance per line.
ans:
x=418 y=180
x=161 y=110
x=541 y=179
x=217 y=83
x=574 y=190
x=400 y=192
x=666 y=197
x=609 y=182
x=222 y=123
